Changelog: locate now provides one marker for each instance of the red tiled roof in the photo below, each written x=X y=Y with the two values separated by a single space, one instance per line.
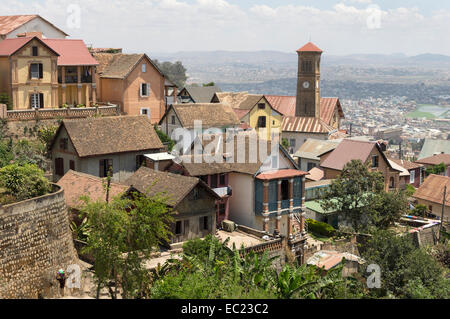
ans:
x=283 y=173
x=76 y=184
x=309 y=47
x=432 y=189
x=436 y=159
x=304 y=124
x=286 y=106
x=10 y=46
x=347 y=151
x=71 y=52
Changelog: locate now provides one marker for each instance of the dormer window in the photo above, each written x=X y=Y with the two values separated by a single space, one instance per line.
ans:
x=34 y=51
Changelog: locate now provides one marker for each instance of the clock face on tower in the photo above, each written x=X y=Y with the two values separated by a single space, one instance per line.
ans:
x=306 y=84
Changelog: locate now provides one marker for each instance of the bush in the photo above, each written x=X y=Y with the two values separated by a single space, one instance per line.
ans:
x=23 y=181
x=320 y=228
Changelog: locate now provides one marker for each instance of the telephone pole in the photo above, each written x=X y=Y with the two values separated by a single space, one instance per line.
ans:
x=442 y=215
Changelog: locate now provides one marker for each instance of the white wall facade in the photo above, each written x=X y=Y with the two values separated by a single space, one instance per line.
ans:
x=38 y=25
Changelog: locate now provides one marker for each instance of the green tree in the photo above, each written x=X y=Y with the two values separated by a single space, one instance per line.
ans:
x=400 y=262
x=122 y=235
x=354 y=194
x=175 y=71
x=5 y=99
x=435 y=169
x=23 y=181
x=165 y=139
x=6 y=155
x=209 y=84
x=46 y=135
x=390 y=207
x=419 y=210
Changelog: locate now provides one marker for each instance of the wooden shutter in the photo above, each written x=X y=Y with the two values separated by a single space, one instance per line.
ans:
x=29 y=72
x=140 y=90
x=101 y=168
x=31 y=100
x=41 y=100
x=148 y=89
x=186 y=227
x=72 y=165
x=59 y=166
x=41 y=75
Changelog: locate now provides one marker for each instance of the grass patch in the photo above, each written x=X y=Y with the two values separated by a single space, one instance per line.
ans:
x=322 y=238
x=419 y=114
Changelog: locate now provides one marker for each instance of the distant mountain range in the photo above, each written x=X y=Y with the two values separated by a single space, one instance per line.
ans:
x=265 y=57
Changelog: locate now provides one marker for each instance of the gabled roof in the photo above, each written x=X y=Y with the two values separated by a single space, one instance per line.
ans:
x=309 y=47
x=70 y=52
x=239 y=100
x=10 y=46
x=110 y=135
x=434 y=146
x=77 y=184
x=313 y=148
x=286 y=106
x=176 y=187
x=432 y=189
x=11 y=23
x=403 y=171
x=210 y=114
x=202 y=94
x=304 y=124
x=349 y=150
x=436 y=160
x=120 y=65
x=243 y=158
x=406 y=164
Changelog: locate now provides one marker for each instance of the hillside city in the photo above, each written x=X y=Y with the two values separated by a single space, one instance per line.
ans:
x=220 y=175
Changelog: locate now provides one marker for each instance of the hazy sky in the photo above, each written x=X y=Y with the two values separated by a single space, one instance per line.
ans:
x=336 y=26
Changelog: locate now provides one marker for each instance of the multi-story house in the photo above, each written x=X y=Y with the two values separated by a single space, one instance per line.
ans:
x=46 y=73
x=253 y=109
x=96 y=146
x=135 y=83
x=267 y=188
x=370 y=153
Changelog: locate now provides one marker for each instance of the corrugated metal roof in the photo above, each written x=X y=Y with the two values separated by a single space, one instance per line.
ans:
x=432 y=147
x=312 y=148
x=304 y=124
x=347 y=151
x=432 y=189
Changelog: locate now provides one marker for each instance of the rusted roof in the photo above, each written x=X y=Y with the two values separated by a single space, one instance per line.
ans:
x=282 y=173
x=109 y=135
x=11 y=23
x=406 y=164
x=201 y=94
x=435 y=160
x=315 y=174
x=176 y=187
x=77 y=184
x=210 y=114
x=70 y=52
x=239 y=100
x=286 y=106
x=432 y=189
x=312 y=148
x=347 y=151
x=304 y=124
x=240 y=113
x=309 y=47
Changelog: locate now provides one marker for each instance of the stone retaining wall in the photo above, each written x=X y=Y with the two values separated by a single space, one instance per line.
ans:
x=35 y=241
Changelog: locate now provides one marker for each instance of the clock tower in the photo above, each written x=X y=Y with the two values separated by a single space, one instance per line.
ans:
x=308 y=81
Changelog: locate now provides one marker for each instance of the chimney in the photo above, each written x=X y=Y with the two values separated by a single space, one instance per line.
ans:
x=30 y=35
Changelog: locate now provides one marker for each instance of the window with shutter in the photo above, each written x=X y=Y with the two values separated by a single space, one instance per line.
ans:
x=262 y=121
x=36 y=100
x=59 y=166
x=104 y=166
x=178 y=228
x=35 y=51
x=34 y=71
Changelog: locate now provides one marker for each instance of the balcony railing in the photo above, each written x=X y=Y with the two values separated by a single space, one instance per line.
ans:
x=72 y=79
x=273 y=206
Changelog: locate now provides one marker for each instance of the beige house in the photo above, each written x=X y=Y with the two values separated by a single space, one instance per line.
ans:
x=96 y=145
x=135 y=83
x=46 y=73
x=431 y=194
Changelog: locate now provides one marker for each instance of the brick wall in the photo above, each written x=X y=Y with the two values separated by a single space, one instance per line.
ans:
x=35 y=241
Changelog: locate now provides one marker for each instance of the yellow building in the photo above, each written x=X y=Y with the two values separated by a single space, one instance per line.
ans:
x=46 y=73
x=254 y=110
